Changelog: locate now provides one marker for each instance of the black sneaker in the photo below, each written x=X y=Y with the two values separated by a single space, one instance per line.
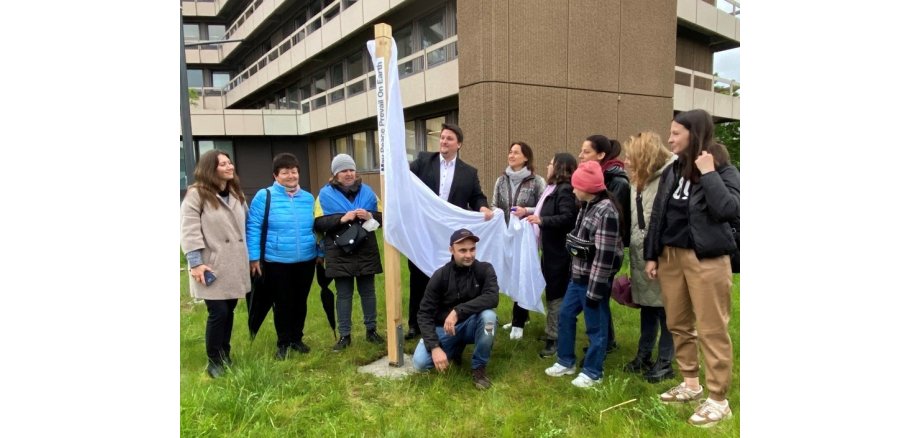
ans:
x=549 y=350
x=660 y=371
x=375 y=338
x=282 y=353
x=342 y=344
x=300 y=347
x=639 y=365
x=480 y=379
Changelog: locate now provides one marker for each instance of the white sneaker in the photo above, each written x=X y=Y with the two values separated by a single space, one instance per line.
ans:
x=709 y=413
x=516 y=333
x=583 y=381
x=506 y=326
x=558 y=370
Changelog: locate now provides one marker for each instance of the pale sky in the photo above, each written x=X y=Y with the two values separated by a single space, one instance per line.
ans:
x=727 y=64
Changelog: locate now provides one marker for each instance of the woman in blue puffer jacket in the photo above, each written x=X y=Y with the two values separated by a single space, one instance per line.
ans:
x=290 y=250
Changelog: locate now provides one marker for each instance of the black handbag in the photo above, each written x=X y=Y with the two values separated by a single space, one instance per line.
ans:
x=351 y=238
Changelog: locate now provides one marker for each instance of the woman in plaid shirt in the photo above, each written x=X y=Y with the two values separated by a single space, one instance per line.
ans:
x=597 y=253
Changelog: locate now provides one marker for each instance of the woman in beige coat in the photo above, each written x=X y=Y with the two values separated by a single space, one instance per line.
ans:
x=214 y=242
x=646 y=158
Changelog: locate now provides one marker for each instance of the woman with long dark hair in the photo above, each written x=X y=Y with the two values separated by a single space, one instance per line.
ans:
x=687 y=248
x=606 y=152
x=554 y=217
x=214 y=242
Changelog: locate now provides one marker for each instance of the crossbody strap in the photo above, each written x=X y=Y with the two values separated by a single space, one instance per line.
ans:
x=268 y=204
x=640 y=215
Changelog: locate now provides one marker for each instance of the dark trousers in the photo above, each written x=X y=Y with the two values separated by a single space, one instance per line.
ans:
x=218 y=329
x=345 y=290
x=651 y=319
x=418 y=281
x=289 y=284
x=519 y=315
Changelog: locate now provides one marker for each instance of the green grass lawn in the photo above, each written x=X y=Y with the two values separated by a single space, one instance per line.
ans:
x=323 y=394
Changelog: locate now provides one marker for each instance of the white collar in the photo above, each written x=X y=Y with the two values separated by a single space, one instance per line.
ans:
x=454 y=161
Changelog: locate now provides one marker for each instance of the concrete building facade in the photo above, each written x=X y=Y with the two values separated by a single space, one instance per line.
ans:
x=546 y=72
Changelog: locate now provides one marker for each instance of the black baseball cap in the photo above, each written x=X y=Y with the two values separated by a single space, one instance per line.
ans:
x=462 y=234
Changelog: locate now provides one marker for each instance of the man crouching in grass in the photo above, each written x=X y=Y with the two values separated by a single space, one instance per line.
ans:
x=458 y=309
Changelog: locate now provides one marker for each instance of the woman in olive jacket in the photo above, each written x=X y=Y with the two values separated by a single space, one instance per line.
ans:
x=687 y=248
x=646 y=158
x=555 y=215
x=213 y=238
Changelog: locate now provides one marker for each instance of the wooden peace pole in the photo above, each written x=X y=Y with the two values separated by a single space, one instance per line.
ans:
x=391 y=267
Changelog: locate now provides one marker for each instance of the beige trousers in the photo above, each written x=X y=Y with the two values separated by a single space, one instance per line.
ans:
x=697 y=300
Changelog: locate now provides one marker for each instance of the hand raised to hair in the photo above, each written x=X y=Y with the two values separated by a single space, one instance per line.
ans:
x=705 y=163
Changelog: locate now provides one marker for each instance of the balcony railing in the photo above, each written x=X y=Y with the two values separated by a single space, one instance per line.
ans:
x=732 y=7
x=705 y=81
x=312 y=25
x=242 y=18
x=417 y=62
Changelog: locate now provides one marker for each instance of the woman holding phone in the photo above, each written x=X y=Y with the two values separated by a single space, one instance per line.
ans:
x=213 y=238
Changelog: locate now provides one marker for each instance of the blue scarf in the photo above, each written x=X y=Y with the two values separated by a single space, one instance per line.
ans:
x=333 y=201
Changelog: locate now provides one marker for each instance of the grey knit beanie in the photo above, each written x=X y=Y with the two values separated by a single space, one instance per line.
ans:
x=342 y=162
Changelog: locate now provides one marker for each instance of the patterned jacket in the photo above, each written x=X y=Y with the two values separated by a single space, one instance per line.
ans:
x=599 y=223
x=528 y=194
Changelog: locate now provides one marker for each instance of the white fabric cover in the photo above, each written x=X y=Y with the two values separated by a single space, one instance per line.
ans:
x=419 y=223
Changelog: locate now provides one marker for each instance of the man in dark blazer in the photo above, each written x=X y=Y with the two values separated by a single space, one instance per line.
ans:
x=454 y=181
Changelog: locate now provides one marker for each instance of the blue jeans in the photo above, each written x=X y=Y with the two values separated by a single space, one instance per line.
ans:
x=470 y=331
x=596 y=321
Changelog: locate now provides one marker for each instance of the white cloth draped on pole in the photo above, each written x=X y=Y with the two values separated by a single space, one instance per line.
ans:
x=419 y=223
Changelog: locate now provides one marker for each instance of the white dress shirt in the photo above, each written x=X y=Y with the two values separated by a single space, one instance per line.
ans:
x=447 y=176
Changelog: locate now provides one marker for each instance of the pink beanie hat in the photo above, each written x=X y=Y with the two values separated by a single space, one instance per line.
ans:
x=589 y=177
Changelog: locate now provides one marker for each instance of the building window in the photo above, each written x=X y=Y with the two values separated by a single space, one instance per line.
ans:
x=410 y=140
x=216 y=32
x=220 y=78
x=195 y=78
x=404 y=47
x=337 y=75
x=356 y=65
x=223 y=145
x=433 y=31
x=320 y=85
x=191 y=32
x=347 y=3
x=362 y=147
x=433 y=130
x=364 y=159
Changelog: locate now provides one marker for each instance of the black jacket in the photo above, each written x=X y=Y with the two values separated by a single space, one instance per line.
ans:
x=452 y=287
x=714 y=202
x=364 y=260
x=557 y=215
x=465 y=191
x=617 y=182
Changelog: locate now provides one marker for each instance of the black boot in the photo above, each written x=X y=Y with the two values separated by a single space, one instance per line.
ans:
x=375 y=338
x=639 y=365
x=282 y=352
x=549 y=350
x=215 y=369
x=660 y=371
x=342 y=344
